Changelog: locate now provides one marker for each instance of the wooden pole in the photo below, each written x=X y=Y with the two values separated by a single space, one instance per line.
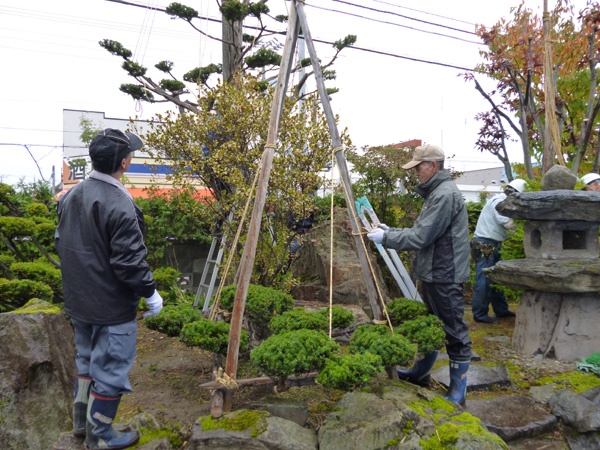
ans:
x=341 y=162
x=247 y=261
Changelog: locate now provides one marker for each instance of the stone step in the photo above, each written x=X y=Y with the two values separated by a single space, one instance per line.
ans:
x=479 y=377
x=513 y=417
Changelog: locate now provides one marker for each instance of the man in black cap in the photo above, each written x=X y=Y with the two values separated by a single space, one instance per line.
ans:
x=105 y=273
x=440 y=239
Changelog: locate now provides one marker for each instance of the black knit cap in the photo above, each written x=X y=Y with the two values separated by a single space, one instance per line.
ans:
x=109 y=147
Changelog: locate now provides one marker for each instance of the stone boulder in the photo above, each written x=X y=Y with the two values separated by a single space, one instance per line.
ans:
x=37 y=369
x=312 y=266
x=558 y=177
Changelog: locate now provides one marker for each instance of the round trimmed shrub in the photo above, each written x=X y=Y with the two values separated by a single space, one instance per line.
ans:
x=365 y=335
x=262 y=303
x=425 y=331
x=340 y=317
x=403 y=309
x=171 y=319
x=210 y=336
x=298 y=319
x=348 y=372
x=293 y=352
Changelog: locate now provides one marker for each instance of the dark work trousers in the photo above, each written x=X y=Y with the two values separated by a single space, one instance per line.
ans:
x=447 y=302
x=484 y=292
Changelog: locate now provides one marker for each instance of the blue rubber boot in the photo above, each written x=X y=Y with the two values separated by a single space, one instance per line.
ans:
x=420 y=372
x=457 y=391
x=102 y=410
x=83 y=384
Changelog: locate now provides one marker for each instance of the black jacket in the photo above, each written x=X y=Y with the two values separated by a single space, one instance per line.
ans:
x=103 y=257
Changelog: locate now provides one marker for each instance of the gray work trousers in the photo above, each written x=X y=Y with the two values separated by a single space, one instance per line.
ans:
x=106 y=353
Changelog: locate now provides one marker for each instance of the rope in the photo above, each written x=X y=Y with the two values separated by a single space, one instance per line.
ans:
x=215 y=306
x=331 y=249
x=355 y=217
x=227 y=382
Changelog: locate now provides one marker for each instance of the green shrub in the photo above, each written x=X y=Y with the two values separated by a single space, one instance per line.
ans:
x=298 y=319
x=340 y=317
x=364 y=336
x=403 y=309
x=210 y=336
x=262 y=303
x=293 y=352
x=172 y=319
x=15 y=293
x=43 y=272
x=425 y=331
x=394 y=350
x=348 y=372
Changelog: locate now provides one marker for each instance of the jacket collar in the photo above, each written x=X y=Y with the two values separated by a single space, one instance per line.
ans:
x=110 y=180
x=424 y=189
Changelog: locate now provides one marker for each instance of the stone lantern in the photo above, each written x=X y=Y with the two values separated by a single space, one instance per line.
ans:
x=559 y=313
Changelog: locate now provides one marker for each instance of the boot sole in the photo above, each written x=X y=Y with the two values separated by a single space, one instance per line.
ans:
x=127 y=445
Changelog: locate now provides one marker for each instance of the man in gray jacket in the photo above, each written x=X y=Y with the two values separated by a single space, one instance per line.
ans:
x=440 y=239
x=100 y=242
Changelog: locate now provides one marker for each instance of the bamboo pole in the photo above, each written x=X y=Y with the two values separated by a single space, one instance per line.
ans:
x=249 y=253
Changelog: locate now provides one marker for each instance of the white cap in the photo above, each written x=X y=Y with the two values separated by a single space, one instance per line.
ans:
x=518 y=185
x=589 y=178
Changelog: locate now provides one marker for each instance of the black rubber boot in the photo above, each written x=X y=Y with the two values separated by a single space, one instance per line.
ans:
x=83 y=384
x=457 y=391
x=101 y=412
x=419 y=373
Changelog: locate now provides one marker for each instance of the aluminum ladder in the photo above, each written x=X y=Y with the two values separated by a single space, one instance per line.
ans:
x=391 y=258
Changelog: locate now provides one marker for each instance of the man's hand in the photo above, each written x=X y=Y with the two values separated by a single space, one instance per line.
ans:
x=383 y=226
x=376 y=235
x=155 y=304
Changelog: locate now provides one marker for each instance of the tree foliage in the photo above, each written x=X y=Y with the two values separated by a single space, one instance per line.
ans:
x=221 y=147
x=514 y=58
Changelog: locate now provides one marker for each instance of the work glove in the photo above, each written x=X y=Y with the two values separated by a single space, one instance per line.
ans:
x=383 y=226
x=376 y=235
x=155 y=304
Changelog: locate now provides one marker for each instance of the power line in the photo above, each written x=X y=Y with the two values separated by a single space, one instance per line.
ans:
x=424 y=12
x=404 y=17
x=394 y=24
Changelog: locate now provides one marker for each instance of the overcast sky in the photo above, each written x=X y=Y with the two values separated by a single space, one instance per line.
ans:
x=51 y=61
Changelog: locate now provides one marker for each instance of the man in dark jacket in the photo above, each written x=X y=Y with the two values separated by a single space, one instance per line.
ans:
x=103 y=262
x=440 y=239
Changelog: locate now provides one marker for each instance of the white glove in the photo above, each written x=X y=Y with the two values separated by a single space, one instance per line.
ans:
x=383 y=226
x=376 y=235
x=155 y=303
x=510 y=225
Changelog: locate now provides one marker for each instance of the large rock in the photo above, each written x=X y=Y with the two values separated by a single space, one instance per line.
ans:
x=582 y=412
x=267 y=433
x=37 y=369
x=312 y=266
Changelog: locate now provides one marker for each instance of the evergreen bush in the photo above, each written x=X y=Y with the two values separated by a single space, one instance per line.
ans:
x=210 y=336
x=364 y=336
x=298 y=319
x=340 y=317
x=347 y=372
x=403 y=309
x=262 y=303
x=172 y=318
x=293 y=352
x=425 y=331
x=15 y=293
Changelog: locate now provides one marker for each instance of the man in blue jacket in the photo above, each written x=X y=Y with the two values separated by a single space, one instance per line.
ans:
x=440 y=239
x=100 y=242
